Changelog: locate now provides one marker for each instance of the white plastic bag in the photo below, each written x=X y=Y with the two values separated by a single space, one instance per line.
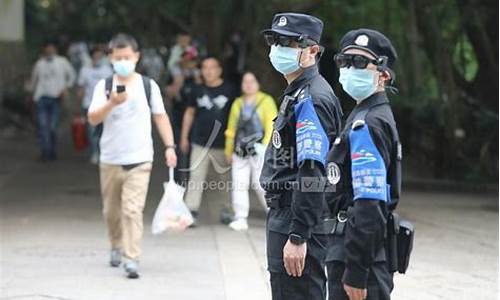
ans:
x=172 y=213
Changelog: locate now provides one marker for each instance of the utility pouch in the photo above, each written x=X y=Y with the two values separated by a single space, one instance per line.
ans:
x=405 y=244
x=399 y=244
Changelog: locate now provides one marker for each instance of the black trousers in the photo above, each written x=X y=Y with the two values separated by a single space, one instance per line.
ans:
x=181 y=172
x=312 y=284
x=380 y=283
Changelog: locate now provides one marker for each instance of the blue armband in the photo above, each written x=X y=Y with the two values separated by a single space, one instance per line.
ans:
x=368 y=171
x=311 y=139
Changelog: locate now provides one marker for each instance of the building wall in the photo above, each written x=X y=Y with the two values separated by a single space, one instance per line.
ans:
x=11 y=20
x=13 y=60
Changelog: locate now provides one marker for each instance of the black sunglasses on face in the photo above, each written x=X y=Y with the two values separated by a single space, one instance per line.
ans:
x=356 y=60
x=287 y=41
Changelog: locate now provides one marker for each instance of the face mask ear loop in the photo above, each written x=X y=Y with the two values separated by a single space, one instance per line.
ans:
x=321 y=51
x=300 y=56
x=390 y=87
x=378 y=79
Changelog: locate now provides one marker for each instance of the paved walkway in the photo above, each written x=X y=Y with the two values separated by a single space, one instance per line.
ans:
x=54 y=246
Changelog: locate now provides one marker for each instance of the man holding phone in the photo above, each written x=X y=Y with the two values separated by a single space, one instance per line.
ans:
x=124 y=105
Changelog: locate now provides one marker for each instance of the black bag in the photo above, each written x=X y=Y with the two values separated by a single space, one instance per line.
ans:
x=248 y=132
x=400 y=235
x=108 y=85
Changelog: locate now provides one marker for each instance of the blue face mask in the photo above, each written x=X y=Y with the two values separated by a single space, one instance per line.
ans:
x=358 y=83
x=124 y=67
x=284 y=59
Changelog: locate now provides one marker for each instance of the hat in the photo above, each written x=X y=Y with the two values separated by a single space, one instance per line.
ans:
x=295 y=25
x=372 y=41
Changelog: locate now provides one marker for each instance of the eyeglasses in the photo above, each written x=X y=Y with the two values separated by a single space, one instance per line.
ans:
x=355 y=60
x=287 y=41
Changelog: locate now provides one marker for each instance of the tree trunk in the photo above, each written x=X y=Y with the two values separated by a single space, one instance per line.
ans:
x=440 y=56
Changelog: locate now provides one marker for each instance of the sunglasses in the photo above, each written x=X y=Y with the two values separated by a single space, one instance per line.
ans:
x=287 y=41
x=355 y=60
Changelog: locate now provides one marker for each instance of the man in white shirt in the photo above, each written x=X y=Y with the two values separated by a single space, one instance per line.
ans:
x=182 y=43
x=51 y=77
x=87 y=79
x=127 y=149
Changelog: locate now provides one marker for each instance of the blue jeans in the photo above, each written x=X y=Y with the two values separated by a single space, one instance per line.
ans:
x=48 y=110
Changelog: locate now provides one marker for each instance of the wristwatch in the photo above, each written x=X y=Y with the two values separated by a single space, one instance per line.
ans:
x=296 y=239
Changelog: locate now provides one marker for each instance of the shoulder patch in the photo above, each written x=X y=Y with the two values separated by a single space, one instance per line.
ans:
x=312 y=141
x=368 y=171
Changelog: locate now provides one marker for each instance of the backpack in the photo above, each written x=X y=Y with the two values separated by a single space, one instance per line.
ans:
x=108 y=85
x=248 y=132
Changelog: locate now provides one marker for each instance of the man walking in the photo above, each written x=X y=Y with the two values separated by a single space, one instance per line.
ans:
x=127 y=148
x=88 y=77
x=52 y=76
x=205 y=120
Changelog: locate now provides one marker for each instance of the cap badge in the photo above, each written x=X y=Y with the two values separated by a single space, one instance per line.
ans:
x=362 y=40
x=282 y=21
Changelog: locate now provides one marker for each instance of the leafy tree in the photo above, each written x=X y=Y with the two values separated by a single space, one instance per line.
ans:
x=447 y=107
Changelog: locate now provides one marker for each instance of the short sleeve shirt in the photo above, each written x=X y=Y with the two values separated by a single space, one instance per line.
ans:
x=212 y=110
x=126 y=137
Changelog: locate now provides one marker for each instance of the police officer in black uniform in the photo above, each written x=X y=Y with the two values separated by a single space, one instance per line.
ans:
x=364 y=165
x=294 y=171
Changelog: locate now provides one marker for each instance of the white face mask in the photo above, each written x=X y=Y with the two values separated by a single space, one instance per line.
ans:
x=358 y=83
x=284 y=59
x=124 y=67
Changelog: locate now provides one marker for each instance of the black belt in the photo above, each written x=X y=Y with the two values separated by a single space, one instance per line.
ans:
x=131 y=166
x=336 y=226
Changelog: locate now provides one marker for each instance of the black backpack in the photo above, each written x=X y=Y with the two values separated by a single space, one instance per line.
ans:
x=108 y=85
x=248 y=132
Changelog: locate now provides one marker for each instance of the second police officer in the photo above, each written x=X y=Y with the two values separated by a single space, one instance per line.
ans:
x=365 y=167
x=304 y=130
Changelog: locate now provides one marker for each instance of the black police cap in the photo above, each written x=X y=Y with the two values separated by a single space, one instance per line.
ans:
x=295 y=25
x=372 y=41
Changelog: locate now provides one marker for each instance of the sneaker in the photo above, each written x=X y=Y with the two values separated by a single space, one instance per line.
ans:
x=132 y=269
x=116 y=258
x=239 y=225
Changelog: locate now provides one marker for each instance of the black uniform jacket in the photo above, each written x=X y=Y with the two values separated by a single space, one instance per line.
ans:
x=308 y=121
x=364 y=166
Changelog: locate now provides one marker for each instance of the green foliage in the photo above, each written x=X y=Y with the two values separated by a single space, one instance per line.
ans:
x=444 y=73
x=464 y=59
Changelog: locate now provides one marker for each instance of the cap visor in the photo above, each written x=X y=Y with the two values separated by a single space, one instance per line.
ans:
x=360 y=48
x=280 y=32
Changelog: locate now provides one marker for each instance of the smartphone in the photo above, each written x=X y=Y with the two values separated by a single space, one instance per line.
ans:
x=120 y=89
